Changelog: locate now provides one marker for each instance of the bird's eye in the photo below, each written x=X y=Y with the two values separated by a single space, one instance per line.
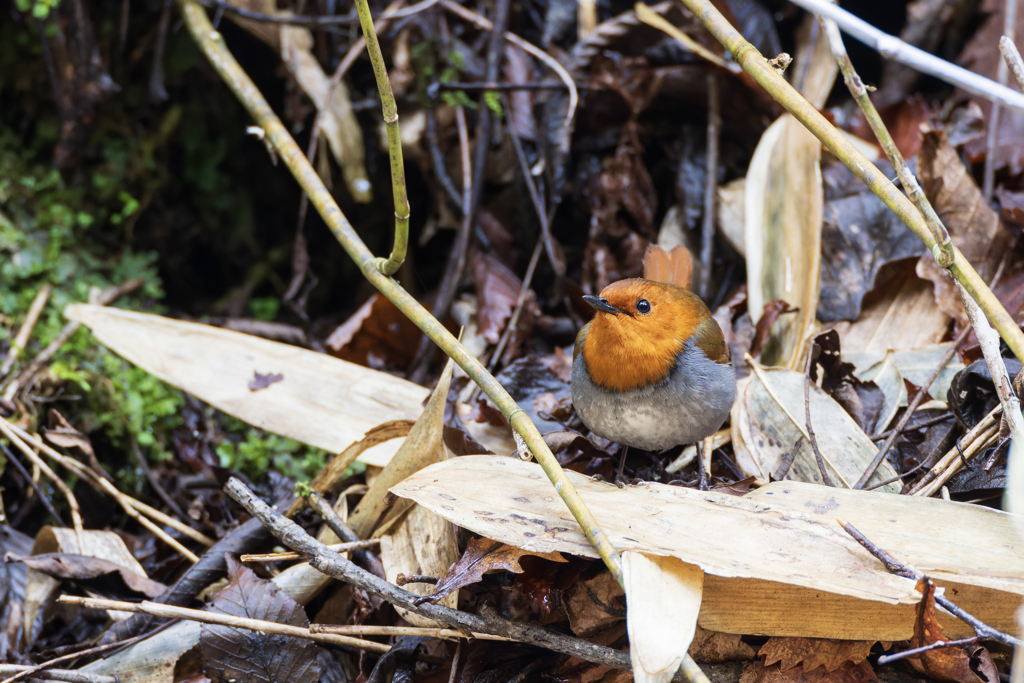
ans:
x=643 y=306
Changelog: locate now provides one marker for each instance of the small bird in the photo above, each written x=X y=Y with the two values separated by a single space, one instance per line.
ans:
x=652 y=369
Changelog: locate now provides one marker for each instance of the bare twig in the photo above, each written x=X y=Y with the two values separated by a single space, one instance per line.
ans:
x=288 y=556
x=915 y=651
x=107 y=296
x=825 y=479
x=25 y=331
x=365 y=630
x=30 y=672
x=894 y=566
x=882 y=436
x=334 y=565
x=403 y=579
x=172 y=612
x=893 y=48
x=334 y=522
x=33 y=483
x=161 y=492
x=787 y=460
x=711 y=186
x=992 y=137
x=502 y=87
x=67 y=675
x=76 y=516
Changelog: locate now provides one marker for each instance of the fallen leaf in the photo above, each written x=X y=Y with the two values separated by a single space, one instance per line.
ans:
x=497 y=291
x=973 y=226
x=594 y=604
x=949 y=663
x=377 y=336
x=862 y=400
x=814 y=652
x=713 y=647
x=484 y=556
x=231 y=654
x=769 y=416
x=860 y=235
x=321 y=401
x=663 y=596
x=847 y=673
x=102 y=577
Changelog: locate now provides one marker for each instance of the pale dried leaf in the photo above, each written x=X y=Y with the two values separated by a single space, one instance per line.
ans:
x=321 y=401
x=663 y=597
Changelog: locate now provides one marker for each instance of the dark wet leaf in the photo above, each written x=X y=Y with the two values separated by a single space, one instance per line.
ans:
x=497 y=290
x=484 y=556
x=460 y=443
x=946 y=664
x=862 y=400
x=378 y=336
x=101 y=576
x=972 y=394
x=974 y=481
x=232 y=655
x=526 y=380
x=1011 y=205
x=259 y=381
x=397 y=665
x=860 y=234
x=772 y=311
x=755 y=22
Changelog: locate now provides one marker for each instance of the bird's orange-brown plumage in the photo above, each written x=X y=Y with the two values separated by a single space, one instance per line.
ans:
x=632 y=350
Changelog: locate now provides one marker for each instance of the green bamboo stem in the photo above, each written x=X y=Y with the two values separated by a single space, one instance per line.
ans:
x=390 y=265
x=212 y=45
x=944 y=253
x=757 y=67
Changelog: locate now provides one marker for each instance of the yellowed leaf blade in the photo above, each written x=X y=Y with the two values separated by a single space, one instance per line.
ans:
x=511 y=501
x=775 y=414
x=663 y=597
x=321 y=401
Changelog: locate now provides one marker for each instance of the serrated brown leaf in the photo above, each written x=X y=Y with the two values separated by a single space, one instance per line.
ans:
x=484 y=556
x=849 y=672
x=813 y=653
x=231 y=655
x=594 y=604
x=712 y=647
x=950 y=663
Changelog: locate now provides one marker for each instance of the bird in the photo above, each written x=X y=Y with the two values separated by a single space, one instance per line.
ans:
x=652 y=369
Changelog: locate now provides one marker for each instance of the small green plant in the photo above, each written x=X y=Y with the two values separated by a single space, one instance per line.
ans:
x=256 y=451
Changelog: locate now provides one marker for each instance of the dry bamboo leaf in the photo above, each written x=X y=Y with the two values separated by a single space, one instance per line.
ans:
x=663 y=596
x=913 y=365
x=511 y=501
x=423 y=446
x=775 y=420
x=783 y=213
x=321 y=401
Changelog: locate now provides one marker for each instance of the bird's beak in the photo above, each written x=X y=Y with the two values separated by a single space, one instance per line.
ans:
x=601 y=304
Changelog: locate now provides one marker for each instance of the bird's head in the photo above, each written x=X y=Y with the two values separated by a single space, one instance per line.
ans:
x=639 y=330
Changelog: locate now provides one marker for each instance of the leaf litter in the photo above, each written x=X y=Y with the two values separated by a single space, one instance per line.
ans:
x=804 y=261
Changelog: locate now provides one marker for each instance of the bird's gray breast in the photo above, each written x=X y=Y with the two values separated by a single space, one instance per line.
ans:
x=690 y=404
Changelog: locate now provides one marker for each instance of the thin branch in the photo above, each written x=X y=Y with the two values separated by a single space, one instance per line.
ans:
x=972 y=443
x=711 y=186
x=502 y=87
x=825 y=479
x=288 y=556
x=211 y=43
x=76 y=515
x=107 y=296
x=992 y=137
x=33 y=483
x=335 y=523
x=445 y=633
x=913 y=427
x=31 y=672
x=68 y=675
x=25 y=331
x=893 y=48
x=915 y=651
x=293 y=536
x=390 y=265
x=894 y=566
x=172 y=612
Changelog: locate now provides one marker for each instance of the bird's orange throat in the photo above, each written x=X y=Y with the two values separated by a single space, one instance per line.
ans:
x=622 y=355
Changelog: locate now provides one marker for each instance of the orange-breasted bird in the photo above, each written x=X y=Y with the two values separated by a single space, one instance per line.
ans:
x=652 y=369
